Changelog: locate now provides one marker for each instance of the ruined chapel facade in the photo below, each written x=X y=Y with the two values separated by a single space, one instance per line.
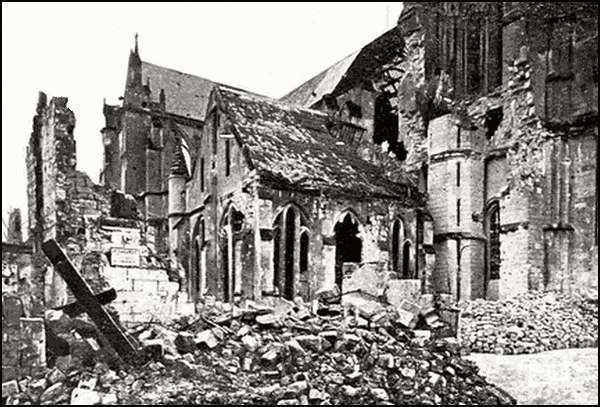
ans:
x=455 y=153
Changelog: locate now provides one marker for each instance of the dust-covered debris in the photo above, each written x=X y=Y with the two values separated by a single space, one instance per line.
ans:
x=269 y=353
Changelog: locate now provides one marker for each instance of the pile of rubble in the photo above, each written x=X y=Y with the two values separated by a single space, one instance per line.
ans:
x=281 y=353
x=529 y=323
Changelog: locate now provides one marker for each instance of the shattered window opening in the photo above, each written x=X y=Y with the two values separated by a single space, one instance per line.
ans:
x=493 y=235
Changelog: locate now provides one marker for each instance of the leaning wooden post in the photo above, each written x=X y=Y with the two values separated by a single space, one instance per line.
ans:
x=86 y=298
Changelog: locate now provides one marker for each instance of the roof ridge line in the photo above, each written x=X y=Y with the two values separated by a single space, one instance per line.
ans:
x=274 y=100
x=180 y=72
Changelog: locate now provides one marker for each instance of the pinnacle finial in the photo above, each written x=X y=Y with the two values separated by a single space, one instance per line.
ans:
x=136 y=43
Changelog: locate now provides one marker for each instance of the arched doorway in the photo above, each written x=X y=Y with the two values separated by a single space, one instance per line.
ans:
x=348 y=246
x=231 y=226
x=290 y=253
x=406 y=266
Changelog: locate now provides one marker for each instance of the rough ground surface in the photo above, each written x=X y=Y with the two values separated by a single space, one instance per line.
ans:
x=564 y=377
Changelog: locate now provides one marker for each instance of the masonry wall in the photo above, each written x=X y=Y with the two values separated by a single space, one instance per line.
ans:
x=322 y=213
x=79 y=214
x=531 y=131
x=213 y=196
x=456 y=174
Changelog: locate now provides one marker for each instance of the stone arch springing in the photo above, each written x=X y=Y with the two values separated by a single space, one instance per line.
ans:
x=348 y=244
x=304 y=219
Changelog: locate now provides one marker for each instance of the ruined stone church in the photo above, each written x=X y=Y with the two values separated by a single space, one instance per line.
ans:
x=455 y=153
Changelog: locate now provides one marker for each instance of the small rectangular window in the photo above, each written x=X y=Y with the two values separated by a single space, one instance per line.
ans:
x=458 y=212
x=457 y=174
x=458 y=137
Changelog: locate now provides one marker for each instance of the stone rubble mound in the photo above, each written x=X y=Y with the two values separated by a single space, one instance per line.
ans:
x=284 y=353
x=529 y=323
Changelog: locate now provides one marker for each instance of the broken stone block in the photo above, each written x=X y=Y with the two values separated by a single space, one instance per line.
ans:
x=271 y=356
x=52 y=393
x=84 y=397
x=266 y=320
x=288 y=402
x=353 y=377
x=185 y=342
x=55 y=376
x=108 y=378
x=421 y=336
x=350 y=391
x=408 y=314
x=206 y=338
x=380 y=394
x=89 y=383
x=408 y=372
x=296 y=388
x=10 y=388
x=295 y=346
x=250 y=342
x=187 y=368
x=328 y=294
x=36 y=388
x=154 y=348
x=108 y=399
x=315 y=395
x=310 y=342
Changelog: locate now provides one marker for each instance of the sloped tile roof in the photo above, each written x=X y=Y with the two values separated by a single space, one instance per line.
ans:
x=315 y=88
x=359 y=66
x=185 y=94
x=291 y=147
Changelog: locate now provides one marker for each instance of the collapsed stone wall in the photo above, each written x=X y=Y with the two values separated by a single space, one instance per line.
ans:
x=99 y=228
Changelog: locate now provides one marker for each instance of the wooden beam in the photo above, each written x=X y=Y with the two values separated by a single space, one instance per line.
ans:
x=86 y=298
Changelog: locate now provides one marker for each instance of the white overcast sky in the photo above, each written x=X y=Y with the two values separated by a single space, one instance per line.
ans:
x=81 y=50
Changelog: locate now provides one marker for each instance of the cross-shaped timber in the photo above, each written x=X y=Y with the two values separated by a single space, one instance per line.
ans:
x=86 y=299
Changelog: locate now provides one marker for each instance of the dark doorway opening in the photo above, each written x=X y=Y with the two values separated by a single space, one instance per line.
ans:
x=406 y=271
x=225 y=269
x=290 y=233
x=348 y=246
x=276 y=253
x=304 y=252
